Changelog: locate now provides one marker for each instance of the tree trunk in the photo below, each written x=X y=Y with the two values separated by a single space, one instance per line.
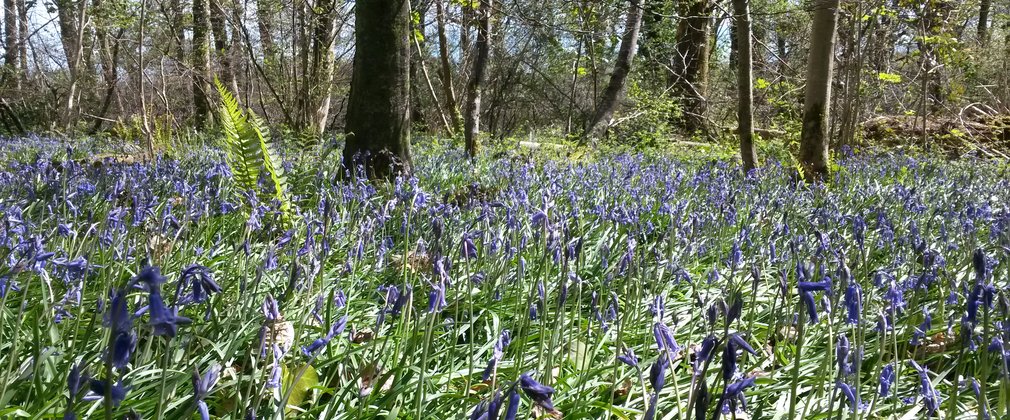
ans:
x=622 y=67
x=446 y=70
x=745 y=88
x=690 y=63
x=265 y=13
x=983 y=21
x=23 y=36
x=377 y=123
x=10 y=38
x=222 y=47
x=201 y=60
x=176 y=26
x=322 y=66
x=820 y=65
x=483 y=50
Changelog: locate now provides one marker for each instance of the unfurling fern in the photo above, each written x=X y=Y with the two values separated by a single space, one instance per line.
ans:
x=247 y=141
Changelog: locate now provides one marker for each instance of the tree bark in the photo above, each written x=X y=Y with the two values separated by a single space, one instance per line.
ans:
x=820 y=66
x=377 y=126
x=983 y=21
x=201 y=60
x=477 y=77
x=446 y=70
x=10 y=38
x=23 y=36
x=222 y=46
x=690 y=63
x=265 y=12
x=322 y=66
x=745 y=84
x=622 y=67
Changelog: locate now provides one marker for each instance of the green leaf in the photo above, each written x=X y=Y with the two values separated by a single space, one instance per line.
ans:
x=889 y=78
x=299 y=389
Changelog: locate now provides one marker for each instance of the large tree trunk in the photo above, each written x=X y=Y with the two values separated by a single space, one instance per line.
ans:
x=622 y=67
x=690 y=63
x=445 y=71
x=483 y=50
x=201 y=61
x=983 y=21
x=745 y=88
x=820 y=66
x=377 y=123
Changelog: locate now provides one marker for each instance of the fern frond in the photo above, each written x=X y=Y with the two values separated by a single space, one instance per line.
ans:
x=247 y=141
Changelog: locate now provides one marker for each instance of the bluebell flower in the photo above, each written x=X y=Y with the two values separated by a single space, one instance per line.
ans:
x=657 y=373
x=117 y=392
x=513 y=407
x=931 y=398
x=467 y=248
x=436 y=298
x=336 y=329
x=923 y=328
x=539 y=393
x=628 y=357
x=650 y=413
x=664 y=338
x=853 y=303
x=850 y=394
x=842 y=350
x=201 y=388
x=201 y=283
x=497 y=352
x=810 y=305
x=887 y=377
x=123 y=340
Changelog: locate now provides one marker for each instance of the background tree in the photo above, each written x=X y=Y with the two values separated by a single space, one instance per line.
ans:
x=745 y=84
x=377 y=126
x=479 y=74
x=814 y=137
x=622 y=67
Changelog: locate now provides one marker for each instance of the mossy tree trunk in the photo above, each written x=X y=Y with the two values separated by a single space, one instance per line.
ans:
x=820 y=66
x=377 y=124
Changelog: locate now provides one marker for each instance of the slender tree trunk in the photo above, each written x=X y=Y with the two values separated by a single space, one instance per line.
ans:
x=377 y=123
x=745 y=84
x=265 y=14
x=322 y=65
x=983 y=21
x=446 y=70
x=690 y=63
x=622 y=67
x=222 y=46
x=820 y=66
x=178 y=29
x=201 y=61
x=23 y=36
x=483 y=50
x=10 y=38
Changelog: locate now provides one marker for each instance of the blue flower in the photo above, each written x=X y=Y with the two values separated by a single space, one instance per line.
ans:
x=657 y=373
x=117 y=392
x=931 y=397
x=887 y=377
x=850 y=395
x=808 y=302
x=628 y=357
x=201 y=388
x=336 y=329
x=513 y=407
x=853 y=303
x=539 y=393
